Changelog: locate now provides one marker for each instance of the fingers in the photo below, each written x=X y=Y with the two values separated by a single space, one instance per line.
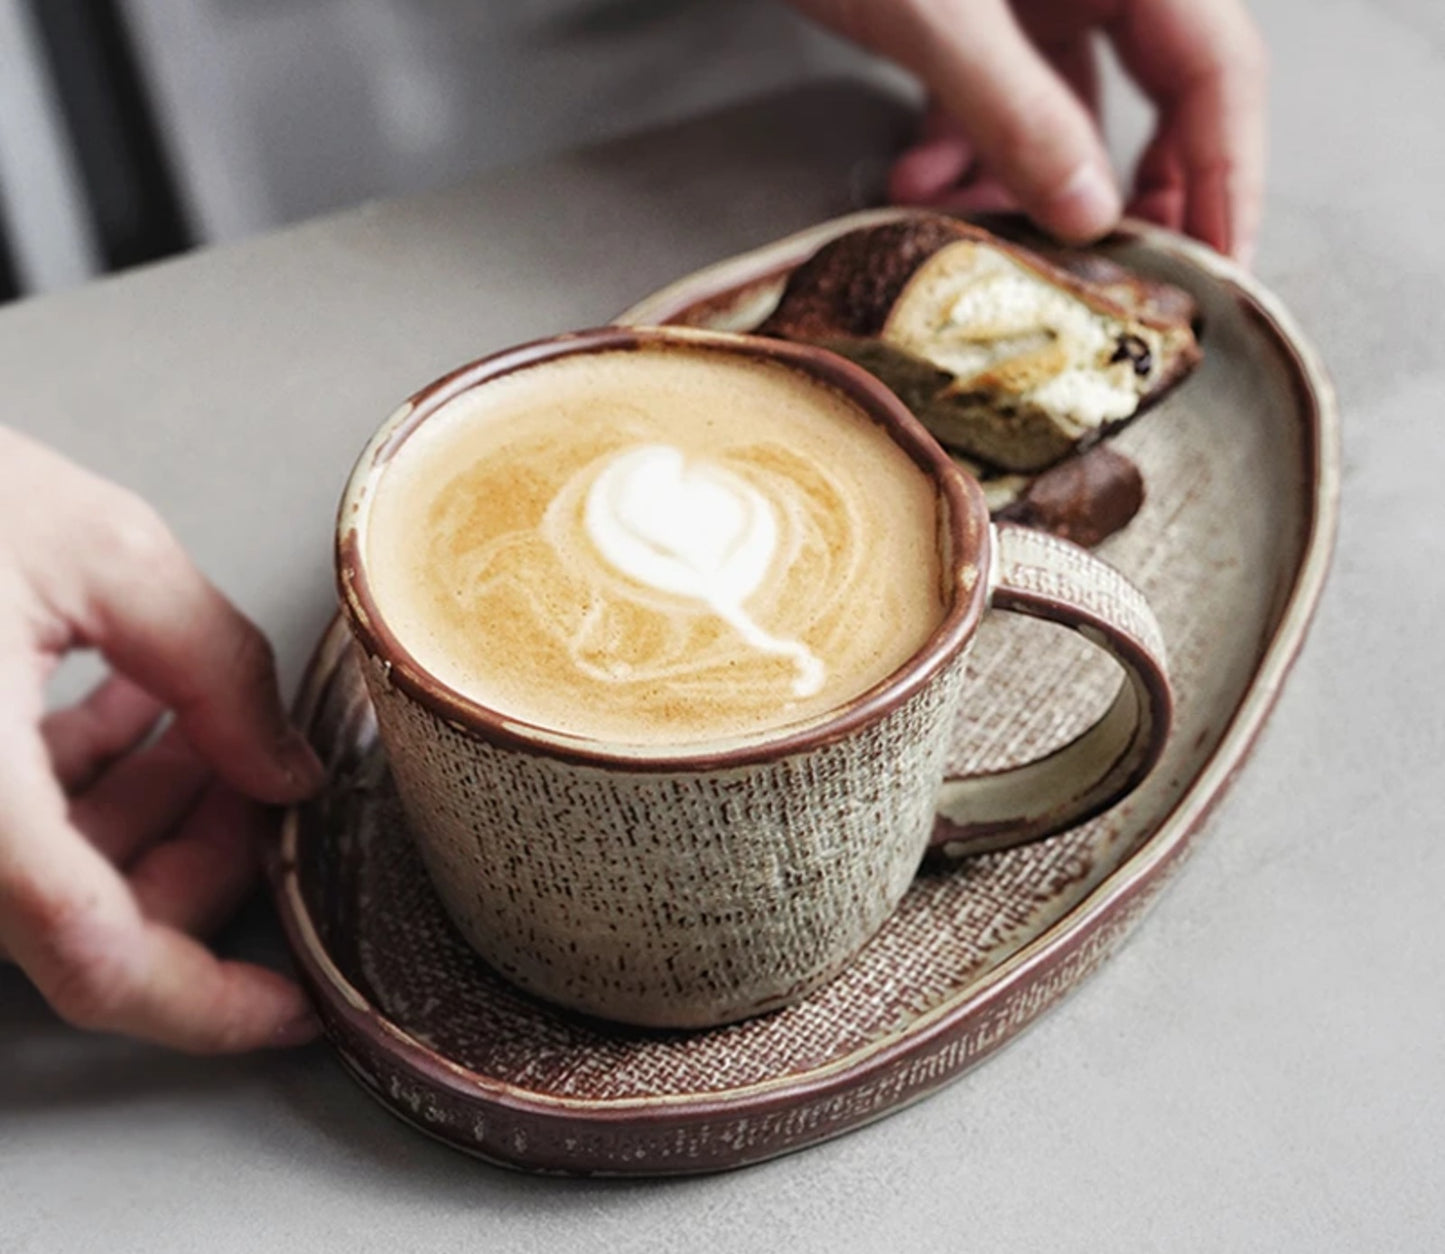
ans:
x=933 y=166
x=85 y=738
x=138 y=598
x=1160 y=190
x=981 y=195
x=174 y=992
x=1029 y=129
x=71 y=922
x=108 y=573
x=942 y=168
x=82 y=562
x=1073 y=60
x=1205 y=66
x=141 y=799
x=196 y=881
x=185 y=642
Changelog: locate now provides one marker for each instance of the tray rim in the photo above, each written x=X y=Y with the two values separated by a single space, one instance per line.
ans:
x=1133 y=883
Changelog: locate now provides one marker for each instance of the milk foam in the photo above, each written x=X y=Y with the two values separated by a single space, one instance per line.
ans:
x=655 y=548
x=696 y=531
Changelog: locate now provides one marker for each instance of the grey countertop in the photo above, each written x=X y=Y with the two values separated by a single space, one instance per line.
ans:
x=1262 y=1067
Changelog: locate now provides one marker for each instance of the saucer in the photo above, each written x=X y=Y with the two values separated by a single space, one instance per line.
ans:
x=1231 y=547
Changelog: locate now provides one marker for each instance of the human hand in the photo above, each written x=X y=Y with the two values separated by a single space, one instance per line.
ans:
x=1013 y=120
x=118 y=845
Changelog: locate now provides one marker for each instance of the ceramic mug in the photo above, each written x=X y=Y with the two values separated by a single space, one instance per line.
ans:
x=686 y=887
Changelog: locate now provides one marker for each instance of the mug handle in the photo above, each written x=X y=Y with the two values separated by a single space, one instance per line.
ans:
x=1040 y=575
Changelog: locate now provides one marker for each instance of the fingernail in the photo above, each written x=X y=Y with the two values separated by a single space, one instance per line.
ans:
x=1087 y=205
x=303 y=768
x=298 y=1031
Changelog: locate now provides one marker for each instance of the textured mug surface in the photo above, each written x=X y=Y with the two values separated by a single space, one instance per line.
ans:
x=691 y=885
x=680 y=897
x=683 y=887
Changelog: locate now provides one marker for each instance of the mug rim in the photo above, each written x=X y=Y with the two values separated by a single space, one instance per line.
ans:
x=966 y=527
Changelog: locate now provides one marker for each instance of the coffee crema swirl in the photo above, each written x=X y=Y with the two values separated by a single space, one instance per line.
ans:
x=665 y=547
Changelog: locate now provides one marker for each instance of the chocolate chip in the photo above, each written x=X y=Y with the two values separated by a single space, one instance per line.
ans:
x=1133 y=349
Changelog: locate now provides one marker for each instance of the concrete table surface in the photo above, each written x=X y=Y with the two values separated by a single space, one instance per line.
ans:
x=1262 y=1067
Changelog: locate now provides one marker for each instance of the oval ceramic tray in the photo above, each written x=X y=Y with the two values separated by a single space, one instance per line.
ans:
x=1231 y=547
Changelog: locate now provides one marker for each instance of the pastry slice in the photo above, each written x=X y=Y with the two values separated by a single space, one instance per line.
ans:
x=1003 y=356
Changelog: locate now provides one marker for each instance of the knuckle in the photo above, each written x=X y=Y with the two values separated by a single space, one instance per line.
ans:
x=88 y=995
x=253 y=660
x=133 y=535
x=1254 y=54
x=80 y=967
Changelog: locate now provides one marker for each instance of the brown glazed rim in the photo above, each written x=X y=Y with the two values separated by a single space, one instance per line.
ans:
x=968 y=548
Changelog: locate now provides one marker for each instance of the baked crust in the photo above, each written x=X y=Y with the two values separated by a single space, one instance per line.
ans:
x=1005 y=356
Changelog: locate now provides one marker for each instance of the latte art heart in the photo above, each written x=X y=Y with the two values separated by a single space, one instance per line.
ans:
x=692 y=530
x=696 y=531
x=656 y=548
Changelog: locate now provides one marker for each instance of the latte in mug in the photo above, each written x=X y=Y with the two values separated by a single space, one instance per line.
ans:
x=657 y=548
x=614 y=595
